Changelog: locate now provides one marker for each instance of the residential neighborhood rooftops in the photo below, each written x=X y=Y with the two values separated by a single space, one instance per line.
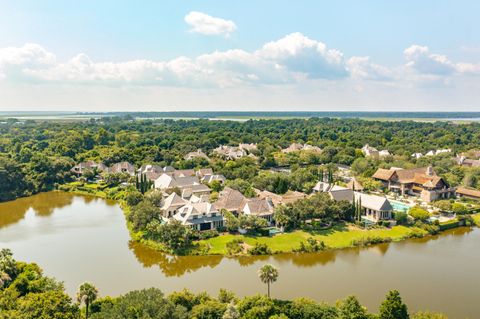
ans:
x=197 y=154
x=122 y=167
x=183 y=173
x=373 y=202
x=166 y=181
x=383 y=174
x=173 y=200
x=198 y=212
x=342 y=194
x=210 y=178
x=287 y=198
x=204 y=171
x=295 y=147
x=325 y=187
x=230 y=199
x=469 y=192
x=355 y=185
x=422 y=175
x=258 y=207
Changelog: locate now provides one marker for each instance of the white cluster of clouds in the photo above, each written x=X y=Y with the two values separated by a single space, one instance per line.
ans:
x=292 y=59
x=205 y=24
x=421 y=60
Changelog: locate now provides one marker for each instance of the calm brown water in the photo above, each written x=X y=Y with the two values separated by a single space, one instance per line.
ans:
x=76 y=239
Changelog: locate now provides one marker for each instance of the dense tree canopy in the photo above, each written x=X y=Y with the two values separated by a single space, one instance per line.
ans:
x=34 y=156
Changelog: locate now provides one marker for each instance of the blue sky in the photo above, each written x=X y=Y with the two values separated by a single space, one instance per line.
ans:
x=240 y=55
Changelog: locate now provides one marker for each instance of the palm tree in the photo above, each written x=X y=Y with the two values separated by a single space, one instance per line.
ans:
x=87 y=293
x=268 y=274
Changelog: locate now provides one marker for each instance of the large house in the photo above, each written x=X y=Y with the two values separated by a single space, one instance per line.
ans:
x=259 y=207
x=296 y=147
x=203 y=172
x=248 y=147
x=215 y=177
x=231 y=200
x=83 y=167
x=276 y=199
x=467 y=162
x=169 y=181
x=322 y=187
x=369 y=151
x=151 y=172
x=172 y=204
x=117 y=168
x=355 y=185
x=437 y=152
x=122 y=168
x=422 y=182
x=200 y=216
x=468 y=192
x=234 y=201
x=196 y=154
x=235 y=152
x=195 y=190
x=375 y=208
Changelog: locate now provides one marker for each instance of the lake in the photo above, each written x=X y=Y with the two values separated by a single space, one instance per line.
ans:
x=78 y=238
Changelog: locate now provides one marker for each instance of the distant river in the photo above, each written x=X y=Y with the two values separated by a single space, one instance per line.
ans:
x=76 y=238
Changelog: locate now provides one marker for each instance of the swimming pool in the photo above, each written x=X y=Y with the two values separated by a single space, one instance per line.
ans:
x=399 y=206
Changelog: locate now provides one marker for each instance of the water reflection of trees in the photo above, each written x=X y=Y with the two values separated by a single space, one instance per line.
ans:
x=180 y=265
x=169 y=264
x=454 y=232
x=42 y=204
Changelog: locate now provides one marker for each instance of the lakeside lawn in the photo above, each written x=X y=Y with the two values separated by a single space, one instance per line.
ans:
x=337 y=237
x=476 y=218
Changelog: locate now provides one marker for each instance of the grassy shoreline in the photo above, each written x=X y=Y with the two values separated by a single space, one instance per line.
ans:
x=334 y=238
x=337 y=237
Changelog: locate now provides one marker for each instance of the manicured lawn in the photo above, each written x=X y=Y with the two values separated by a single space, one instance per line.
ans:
x=476 y=218
x=334 y=238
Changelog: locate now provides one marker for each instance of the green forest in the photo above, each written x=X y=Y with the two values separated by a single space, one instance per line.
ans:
x=37 y=156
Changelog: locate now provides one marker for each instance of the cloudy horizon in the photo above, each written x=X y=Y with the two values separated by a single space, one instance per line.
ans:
x=213 y=65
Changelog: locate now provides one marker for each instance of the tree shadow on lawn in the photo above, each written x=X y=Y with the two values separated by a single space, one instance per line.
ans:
x=339 y=227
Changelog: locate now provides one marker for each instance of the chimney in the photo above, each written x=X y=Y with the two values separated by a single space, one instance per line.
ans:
x=430 y=171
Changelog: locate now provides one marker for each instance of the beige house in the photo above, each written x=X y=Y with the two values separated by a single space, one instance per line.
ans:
x=297 y=147
x=467 y=162
x=197 y=154
x=172 y=204
x=231 y=200
x=248 y=147
x=355 y=185
x=276 y=199
x=215 y=177
x=200 y=216
x=83 y=167
x=369 y=151
x=122 y=167
x=376 y=208
x=166 y=181
x=422 y=182
x=260 y=208
x=468 y=192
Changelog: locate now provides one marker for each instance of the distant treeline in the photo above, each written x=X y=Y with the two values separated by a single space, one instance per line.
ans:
x=202 y=114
